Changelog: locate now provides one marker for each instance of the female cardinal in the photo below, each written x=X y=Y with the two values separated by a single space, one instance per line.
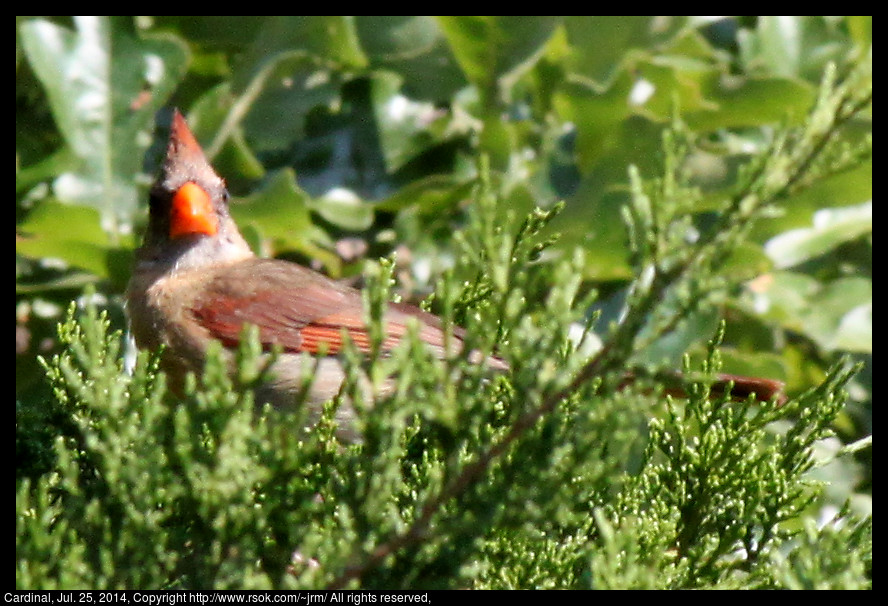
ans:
x=196 y=280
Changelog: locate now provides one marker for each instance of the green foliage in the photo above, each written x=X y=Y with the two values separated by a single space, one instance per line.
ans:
x=459 y=478
x=459 y=135
x=725 y=481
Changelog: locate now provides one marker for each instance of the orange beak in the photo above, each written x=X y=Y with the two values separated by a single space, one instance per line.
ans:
x=192 y=212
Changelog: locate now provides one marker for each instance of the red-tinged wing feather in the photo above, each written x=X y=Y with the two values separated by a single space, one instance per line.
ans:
x=296 y=309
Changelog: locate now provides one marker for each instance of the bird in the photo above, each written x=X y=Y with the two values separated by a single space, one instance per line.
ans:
x=196 y=280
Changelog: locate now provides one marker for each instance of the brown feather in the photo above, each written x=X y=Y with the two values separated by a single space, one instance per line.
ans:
x=297 y=310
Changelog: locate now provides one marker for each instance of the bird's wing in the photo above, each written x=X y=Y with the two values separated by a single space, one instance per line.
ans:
x=298 y=310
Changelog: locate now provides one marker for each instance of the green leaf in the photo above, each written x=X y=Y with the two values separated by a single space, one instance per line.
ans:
x=41 y=171
x=226 y=149
x=848 y=188
x=669 y=349
x=861 y=29
x=841 y=315
x=281 y=93
x=279 y=211
x=836 y=315
x=104 y=86
x=406 y=128
x=831 y=228
x=489 y=48
x=294 y=65
x=415 y=48
x=790 y=46
x=332 y=38
x=601 y=45
x=344 y=208
x=855 y=331
x=73 y=234
x=596 y=113
x=755 y=101
x=431 y=194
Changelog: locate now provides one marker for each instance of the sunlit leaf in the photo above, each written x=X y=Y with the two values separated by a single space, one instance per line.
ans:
x=835 y=315
x=832 y=227
x=790 y=46
x=344 y=208
x=406 y=127
x=104 y=85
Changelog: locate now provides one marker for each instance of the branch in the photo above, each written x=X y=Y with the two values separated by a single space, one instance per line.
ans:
x=610 y=356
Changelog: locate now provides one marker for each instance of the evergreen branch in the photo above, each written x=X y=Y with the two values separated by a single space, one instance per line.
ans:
x=841 y=118
x=745 y=206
